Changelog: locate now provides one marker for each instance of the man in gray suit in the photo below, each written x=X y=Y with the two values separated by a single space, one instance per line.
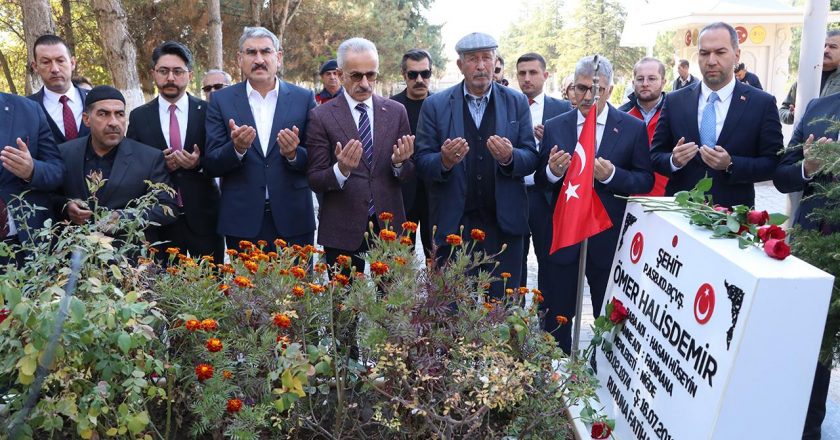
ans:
x=360 y=148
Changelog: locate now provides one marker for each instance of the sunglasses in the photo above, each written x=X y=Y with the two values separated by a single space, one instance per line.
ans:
x=357 y=76
x=412 y=74
x=210 y=87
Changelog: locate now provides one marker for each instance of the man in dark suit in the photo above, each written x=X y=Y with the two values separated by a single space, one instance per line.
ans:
x=255 y=132
x=796 y=172
x=61 y=100
x=747 y=77
x=721 y=127
x=531 y=75
x=475 y=145
x=416 y=67
x=360 y=148
x=124 y=163
x=31 y=164
x=174 y=123
x=683 y=79
x=622 y=167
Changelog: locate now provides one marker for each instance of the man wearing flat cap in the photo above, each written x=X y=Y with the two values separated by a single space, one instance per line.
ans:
x=474 y=147
x=124 y=163
x=331 y=81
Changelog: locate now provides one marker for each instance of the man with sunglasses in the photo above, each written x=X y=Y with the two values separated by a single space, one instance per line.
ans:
x=416 y=69
x=475 y=145
x=174 y=123
x=360 y=147
x=255 y=134
x=213 y=81
x=499 y=71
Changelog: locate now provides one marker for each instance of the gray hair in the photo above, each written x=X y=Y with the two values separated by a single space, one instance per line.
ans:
x=355 y=45
x=832 y=33
x=495 y=52
x=586 y=67
x=258 y=32
x=228 y=78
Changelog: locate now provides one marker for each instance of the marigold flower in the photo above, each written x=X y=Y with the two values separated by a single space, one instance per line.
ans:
x=227 y=374
x=193 y=325
x=245 y=245
x=523 y=290
x=231 y=252
x=234 y=405
x=262 y=243
x=207 y=258
x=243 y=282
x=505 y=275
x=213 y=345
x=343 y=279
x=226 y=268
x=509 y=291
x=400 y=260
x=298 y=291
x=538 y=298
x=321 y=268
x=173 y=251
x=387 y=235
x=454 y=239
x=144 y=261
x=252 y=266
x=317 y=288
x=209 y=325
x=488 y=306
x=343 y=260
x=225 y=289
x=282 y=321
x=386 y=216
x=284 y=341
x=153 y=250
x=182 y=257
x=272 y=255
x=280 y=244
x=562 y=320
x=478 y=235
x=298 y=272
x=361 y=275
x=406 y=241
x=379 y=268
x=296 y=248
x=409 y=226
x=172 y=270
x=203 y=372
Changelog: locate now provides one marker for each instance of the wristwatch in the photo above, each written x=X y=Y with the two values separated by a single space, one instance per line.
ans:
x=728 y=169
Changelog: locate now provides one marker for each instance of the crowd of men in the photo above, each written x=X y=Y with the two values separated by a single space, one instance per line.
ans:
x=244 y=163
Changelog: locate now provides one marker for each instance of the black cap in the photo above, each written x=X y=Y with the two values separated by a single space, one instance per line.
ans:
x=329 y=65
x=101 y=93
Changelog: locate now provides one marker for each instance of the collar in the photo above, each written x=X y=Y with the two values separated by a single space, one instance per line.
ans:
x=353 y=103
x=485 y=95
x=182 y=103
x=654 y=108
x=540 y=99
x=90 y=153
x=600 y=120
x=72 y=95
x=249 y=89
x=326 y=93
x=724 y=93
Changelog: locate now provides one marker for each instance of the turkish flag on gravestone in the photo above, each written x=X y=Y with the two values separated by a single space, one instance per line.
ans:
x=579 y=213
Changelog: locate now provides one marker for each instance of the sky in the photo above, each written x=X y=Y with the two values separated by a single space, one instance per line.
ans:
x=461 y=17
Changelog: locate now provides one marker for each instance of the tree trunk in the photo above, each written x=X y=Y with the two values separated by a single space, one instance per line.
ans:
x=256 y=11
x=119 y=48
x=4 y=63
x=288 y=9
x=37 y=21
x=67 y=26
x=214 y=28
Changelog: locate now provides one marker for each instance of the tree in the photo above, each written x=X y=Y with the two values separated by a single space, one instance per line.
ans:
x=37 y=21
x=120 y=52
x=214 y=30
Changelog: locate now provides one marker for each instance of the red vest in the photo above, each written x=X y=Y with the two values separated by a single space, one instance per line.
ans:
x=659 y=180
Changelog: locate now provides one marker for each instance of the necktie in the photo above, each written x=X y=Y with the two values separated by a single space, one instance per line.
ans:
x=531 y=101
x=70 y=130
x=708 y=123
x=367 y=142
x=4 y=219
x=175 y=141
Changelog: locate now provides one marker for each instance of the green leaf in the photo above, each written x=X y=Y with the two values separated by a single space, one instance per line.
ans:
x=27 y=365
x=704 y=185
x=137 y=422
x=77 y=310
x=733 y=224
x=777 y=219
x=11 y=295
x=124 y=342
x=681 y=198
x=504 y=332
x=322 y=368
x=744 y=243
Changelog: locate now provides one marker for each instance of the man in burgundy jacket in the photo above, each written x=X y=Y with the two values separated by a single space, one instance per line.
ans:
x=360 y=148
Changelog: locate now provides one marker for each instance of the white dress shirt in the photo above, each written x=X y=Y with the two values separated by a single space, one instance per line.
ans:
x=721 y=109
x=56 y=110
x=601 y=122
x=352 y=103
x=537 y=109
x=263 y=110
x=181 y=114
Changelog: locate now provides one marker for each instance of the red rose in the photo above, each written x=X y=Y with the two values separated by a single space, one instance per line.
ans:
x=722 y=209
x=600 y=430
x=777 y=249
x=758 y=218
x=3 y=315
x=771 y=232
x=619 y=312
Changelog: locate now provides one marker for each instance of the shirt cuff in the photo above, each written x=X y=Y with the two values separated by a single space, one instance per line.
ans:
x=550 y=175
x=804 y=177
x=397 y=170
x=609 y=179
x=510 y=161
x=239 y=156
x=338 y=176
x=673 y=167
x=529 y=179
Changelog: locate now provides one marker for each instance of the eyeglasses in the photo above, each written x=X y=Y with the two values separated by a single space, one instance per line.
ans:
x=210 y=87
x=165 y=71
x=357 y=76
x=412 y=74
x=581 y=89
x=251 y=52
x=498 y=70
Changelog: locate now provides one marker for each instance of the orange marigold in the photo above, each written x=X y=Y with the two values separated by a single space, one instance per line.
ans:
x=400 y=260
x=243 y=282
x=282 y=321
x=298 y=272
x=173 y=251
x=523 y=290
x=406 y=240
x=508 y=291
x=279 y=243
x=409 y=226
x=454 y=239
x=488 y=306
x=234 y=405
x=321 y=268
x=262 y=243
x=173 y=270
x=317 y=288
x=379 y=268
x=227 y=374
x=343 y=279
x=252 y=266
x=213 y=345
x=204 y=372
x=478 y=235
x=207 y=258
x=343 y=260
x=562 y=320
x=284 y=341
x=225 y=289
x=231 y=252
x=245 y=245
x=298 y=291
x=505 y=275
x=387 y=235
x=386 y=216
x=538 y=298
x=226 y=268
x=209 y=325
x=193 y=325
x=361 y=275
x=272 y=255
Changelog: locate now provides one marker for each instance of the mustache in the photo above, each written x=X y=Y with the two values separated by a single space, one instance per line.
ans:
x=363 y=89
x=481 y=75
x=419 y=86
x=113 y=130
x=259 y=67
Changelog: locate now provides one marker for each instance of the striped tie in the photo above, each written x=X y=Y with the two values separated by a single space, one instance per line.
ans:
x=367 y=142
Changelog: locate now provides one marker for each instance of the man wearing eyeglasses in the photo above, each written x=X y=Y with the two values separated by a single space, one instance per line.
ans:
x=622 y=167
x=360 y=147
x=475 y=145
x=174 y=123
x=255 y=134
x=416 y=69
x=213 y=81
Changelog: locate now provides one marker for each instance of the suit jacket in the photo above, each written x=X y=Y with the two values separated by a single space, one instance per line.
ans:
x=441 y=118
x=21 y=118
x=752 y=79
x=134 y=164
x=244 y=181
x=788 y=176
x=625 y=144
x=691 y=80
x=830 y=86
x=343 y=214
x=552 y=107
x=751 y=134
x=199 y=192
x=58 y=135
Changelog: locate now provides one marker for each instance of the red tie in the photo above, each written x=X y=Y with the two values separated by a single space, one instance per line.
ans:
x=4 y=219
x=175 y=140
x=70 y=130
x=531 y=101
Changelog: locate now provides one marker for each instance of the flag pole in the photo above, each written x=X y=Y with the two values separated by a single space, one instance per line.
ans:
x=585 y=244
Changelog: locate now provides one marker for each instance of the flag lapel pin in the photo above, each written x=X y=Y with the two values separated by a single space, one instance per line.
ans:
x=615 y=129
x=743 y=98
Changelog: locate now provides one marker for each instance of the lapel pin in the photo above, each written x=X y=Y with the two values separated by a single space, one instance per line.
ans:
x=615 y=129
x=199 y=107
x=743 y=98
x=6 y=108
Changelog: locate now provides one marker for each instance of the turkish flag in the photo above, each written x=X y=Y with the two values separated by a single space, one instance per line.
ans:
x=579 y=213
